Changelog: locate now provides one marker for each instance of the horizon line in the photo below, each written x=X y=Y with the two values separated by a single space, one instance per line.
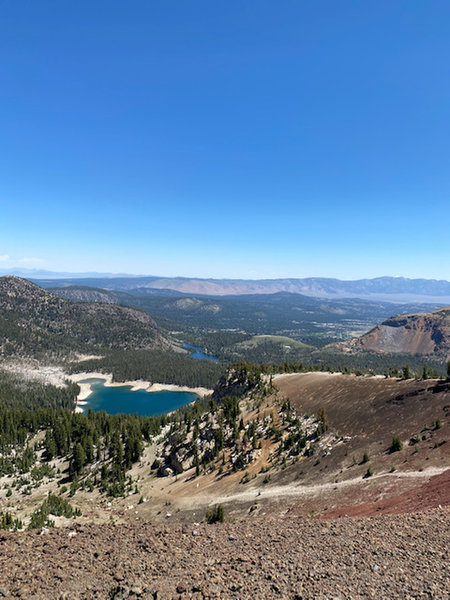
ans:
x=95 y=274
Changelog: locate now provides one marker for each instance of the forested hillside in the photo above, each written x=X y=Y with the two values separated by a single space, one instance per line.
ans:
x=34 y=322
x=152 y=365
x=98 y=448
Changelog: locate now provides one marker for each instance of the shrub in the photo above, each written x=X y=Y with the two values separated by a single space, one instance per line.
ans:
x=245 y=478
x=45 y=470
x=216 y=514
x=396 y=445
x=8 y=522
x=53 y=505
x=323 y=426
x=365 y=458
x=369 y=472
x=73 y=487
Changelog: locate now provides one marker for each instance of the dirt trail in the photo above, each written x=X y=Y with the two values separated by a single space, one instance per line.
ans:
x=285 y=491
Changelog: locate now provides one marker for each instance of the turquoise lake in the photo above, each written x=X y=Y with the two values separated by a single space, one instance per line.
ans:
x=121 y=399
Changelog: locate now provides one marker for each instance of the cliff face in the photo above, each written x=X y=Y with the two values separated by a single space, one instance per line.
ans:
x=427 y=334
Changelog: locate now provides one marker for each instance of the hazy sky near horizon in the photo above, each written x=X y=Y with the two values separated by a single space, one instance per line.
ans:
x=248 y=139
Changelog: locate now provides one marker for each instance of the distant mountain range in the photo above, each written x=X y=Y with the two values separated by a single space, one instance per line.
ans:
x=44 y=274
x=383 y=289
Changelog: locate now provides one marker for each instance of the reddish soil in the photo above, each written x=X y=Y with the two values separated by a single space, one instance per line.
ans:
x=434 y=493
x=367 y=412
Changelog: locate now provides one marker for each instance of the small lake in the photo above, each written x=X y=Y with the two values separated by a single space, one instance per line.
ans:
x=199 y=354
x=121 y=399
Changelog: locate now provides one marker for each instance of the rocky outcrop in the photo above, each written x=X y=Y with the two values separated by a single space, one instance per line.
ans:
x=238 y=380
x=427 y=334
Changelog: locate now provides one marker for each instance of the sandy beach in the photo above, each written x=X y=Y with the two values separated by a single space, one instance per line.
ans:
x=160 y=387
x=86 y=387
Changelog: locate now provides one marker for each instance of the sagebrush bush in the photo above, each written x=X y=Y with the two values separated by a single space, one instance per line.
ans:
x=216 y=514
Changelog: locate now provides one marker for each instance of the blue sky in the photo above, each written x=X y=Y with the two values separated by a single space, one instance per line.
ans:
x=226 y=139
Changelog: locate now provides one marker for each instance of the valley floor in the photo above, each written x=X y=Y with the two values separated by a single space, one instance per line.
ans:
x=384 y=557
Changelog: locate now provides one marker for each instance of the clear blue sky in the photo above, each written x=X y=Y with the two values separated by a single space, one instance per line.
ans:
x=229 y=139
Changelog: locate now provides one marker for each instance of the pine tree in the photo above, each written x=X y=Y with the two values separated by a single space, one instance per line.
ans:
x=406 y=372
x=50 y=446
x=78 y=460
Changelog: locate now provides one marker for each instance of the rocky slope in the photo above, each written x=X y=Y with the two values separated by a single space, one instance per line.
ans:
x=427 y=334
x=35 y=321
x=271 y=556
x=274 y=459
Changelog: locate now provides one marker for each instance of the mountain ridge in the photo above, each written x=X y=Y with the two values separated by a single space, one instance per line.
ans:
x=393 y=289
x=35 y=320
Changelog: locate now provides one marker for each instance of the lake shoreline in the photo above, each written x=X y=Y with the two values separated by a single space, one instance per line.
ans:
x=139 y=384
